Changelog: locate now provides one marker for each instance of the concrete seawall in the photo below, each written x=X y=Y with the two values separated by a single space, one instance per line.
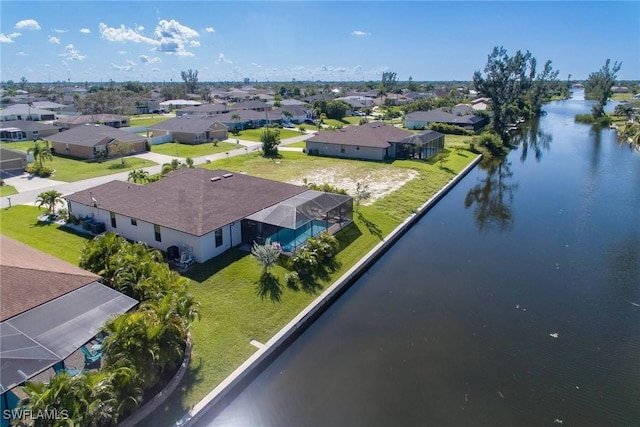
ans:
x=261 y=358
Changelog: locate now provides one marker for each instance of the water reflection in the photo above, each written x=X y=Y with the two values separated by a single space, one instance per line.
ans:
x=492 y=197
x=532 y=138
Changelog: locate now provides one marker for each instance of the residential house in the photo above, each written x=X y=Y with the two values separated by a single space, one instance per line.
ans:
x=422 y=119
x=248 y=119
x=13 y=160
x=112 y=120
x=298 y=113
x=49 y=309
x=192 y=129
x=203 y=110
x=374 y=141
x=92 y=141
x=179 y=103
x=250 y=105
x=205 y=212
x=48 y=105
x=22 y=130
x=25 y=112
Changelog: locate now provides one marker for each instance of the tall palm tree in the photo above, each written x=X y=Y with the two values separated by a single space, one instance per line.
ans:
x=138 y=176
x=49 y=199
x=236 y=118
x=266 y=255
x=96 y=255
x=41 y=152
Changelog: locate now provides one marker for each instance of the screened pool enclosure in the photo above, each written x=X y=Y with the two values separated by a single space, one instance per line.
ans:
x=293 y=221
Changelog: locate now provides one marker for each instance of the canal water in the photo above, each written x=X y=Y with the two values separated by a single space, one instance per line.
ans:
x=514 y=302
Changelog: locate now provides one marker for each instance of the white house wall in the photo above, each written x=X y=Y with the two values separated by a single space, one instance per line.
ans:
x=350 y=151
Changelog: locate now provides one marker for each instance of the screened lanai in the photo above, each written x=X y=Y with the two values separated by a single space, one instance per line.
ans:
x=291 y=222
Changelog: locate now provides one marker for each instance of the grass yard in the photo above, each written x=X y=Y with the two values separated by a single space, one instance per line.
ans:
x=21 y=223
x=301 y=144
x=69 y=170
x=232 y=313
x=7 y=190
x=189 y=150
x=148 y=120
x=255 y=134
x=19 y=145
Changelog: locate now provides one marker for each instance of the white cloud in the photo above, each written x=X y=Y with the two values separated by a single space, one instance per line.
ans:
x=22 y=54
x=122 y=52
x=210 y=30
x=54 y=40
x=359 y=33
x=72 y=53
x=169 y=37
x=128 y=67
x=55 y=30
x=85 y=31
x=222 y=58
x=8 y=38
x=27 y=24
x=148 y=60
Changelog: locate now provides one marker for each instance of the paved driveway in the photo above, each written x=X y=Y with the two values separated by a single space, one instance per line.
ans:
x=27 y=182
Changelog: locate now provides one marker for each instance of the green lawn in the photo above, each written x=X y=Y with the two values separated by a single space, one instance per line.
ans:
x=622 y=96
x=20 y=145
x=232 y=313
x=21 y=223
x=148 y=120
x=69 y=170
x=301 y=144
x=190 y=150
x=255 y=134
x=7 y=190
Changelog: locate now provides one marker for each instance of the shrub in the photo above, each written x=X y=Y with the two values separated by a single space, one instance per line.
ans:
x=449 y=129
x=292 y=279
x=325 y=186
x=35 y=169
x=304 y=262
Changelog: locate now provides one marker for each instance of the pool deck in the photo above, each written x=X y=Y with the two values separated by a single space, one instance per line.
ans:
x=256 y=363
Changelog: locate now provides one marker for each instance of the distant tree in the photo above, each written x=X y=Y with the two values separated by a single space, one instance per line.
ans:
x=190 y=79
x=362 y=193
x=41 y=152
x=598 y=86
x=541 y=86
x=236 y=127
x=23 y=82
x=411 y=85
x=270 y=139
x=120 y=149
x=49 y=199
x=170 y=167
x=287 y=114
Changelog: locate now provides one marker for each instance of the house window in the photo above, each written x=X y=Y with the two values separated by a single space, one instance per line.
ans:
x=218 y=234
x=156 y=231
x=342 y=149
x=35 y=132
x=113 y=219
x=134 y=222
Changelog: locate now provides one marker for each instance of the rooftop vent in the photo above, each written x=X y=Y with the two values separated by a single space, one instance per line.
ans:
x=215 y=178
x=227 y=175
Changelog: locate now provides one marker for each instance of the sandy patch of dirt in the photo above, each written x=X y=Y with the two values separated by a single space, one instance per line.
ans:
x=380 y=182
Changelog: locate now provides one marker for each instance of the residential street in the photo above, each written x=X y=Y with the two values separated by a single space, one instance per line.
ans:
x=29 y=187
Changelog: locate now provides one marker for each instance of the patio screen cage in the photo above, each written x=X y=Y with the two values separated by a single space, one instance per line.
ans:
x=291 y=222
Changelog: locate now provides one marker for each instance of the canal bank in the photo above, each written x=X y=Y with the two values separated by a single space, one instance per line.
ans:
x=228 y=388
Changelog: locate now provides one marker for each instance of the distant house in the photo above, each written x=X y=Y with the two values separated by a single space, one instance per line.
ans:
x=48 y=105
x=92 y=141
x=422 y=119
x=206 y=212
x=13 y=160
x=21 y=130
x=179 y=103
x=25 y=112
x=250 y=105
x=375 y=141
x=192 y=130
x=203 y=110
x=112 y=120
x=248 y=119
x=298 y=113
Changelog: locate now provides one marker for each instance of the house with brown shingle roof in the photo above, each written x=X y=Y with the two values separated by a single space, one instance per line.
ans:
x=112 y=120
x=192 y=129
x=373 y=141
x=206 y=212
x=92 y=141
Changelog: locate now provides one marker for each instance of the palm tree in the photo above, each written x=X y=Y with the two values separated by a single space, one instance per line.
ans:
x=96 y=255
x=266 y=255
x=236 y=118
x=170 y=167
x=49 y=199
x=138 y=176
x=41 y=152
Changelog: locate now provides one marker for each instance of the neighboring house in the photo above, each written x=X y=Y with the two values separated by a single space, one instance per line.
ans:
x=298 y=113
x=48 y=105
x=203 y=110
x=21 y=130
x=49 y=309
x=422 y=119
x=192 y=129
x=25 y=112
x=179 y=103
x=374 y=141
x=13 y=160
x=92 y=141
x=112 y=120
x=248 y=119
x=250 y=105
x=480 y=104
x=206 y=212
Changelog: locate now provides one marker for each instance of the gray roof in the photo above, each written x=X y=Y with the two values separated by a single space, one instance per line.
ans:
x=205 y=108
x=92 y=118
x=438 y=115
x=24 y=109
x=26 y=125
x=47 y=104
x=245 y=115
x=94 y=135
x=188 y=201
x=189 y=124
x=373 y=134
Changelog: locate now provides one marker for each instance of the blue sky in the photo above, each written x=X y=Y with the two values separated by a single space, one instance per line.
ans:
x=280 y=41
